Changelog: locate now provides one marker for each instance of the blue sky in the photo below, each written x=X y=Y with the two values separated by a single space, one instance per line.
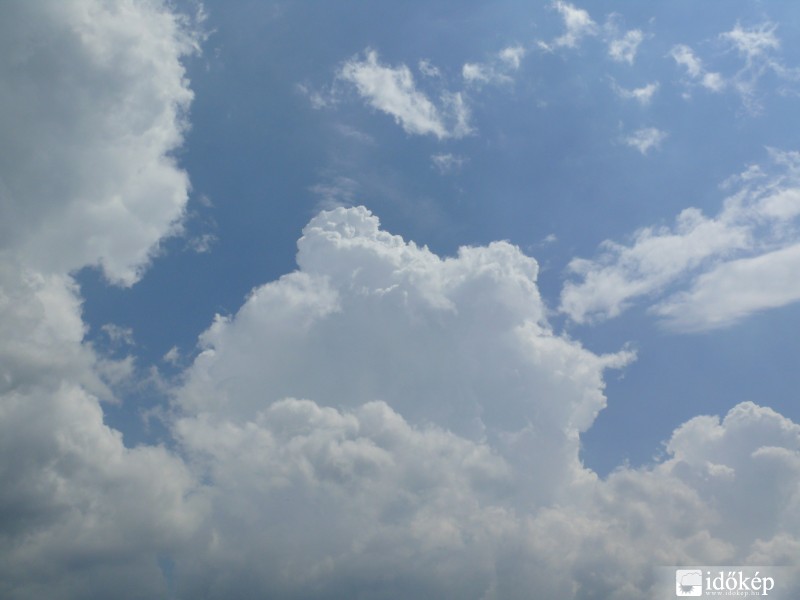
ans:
x=377 y=291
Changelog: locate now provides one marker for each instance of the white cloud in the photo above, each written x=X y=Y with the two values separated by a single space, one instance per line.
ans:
x=448 y=163
x=512 y=56
x=118 y=335
x=755 y=42
x=475 y=72
x=392 y=90
x=74 y=110
x=91 y=102
x=624 y=49
x=758 y=46
x=437 y=451
x=497 y=70
x=713 y=81
x=645 y=139
x=428 y=69
x=578 y=24
x=734 y=290
x=318 y=99
x=740 y=258
x=643 y=95
x=382 y=420
x=201 y=243
x=685 y=57
x=172 y=356
x=354 y=276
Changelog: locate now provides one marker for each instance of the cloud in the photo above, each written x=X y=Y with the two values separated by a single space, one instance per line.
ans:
x=495 y=71
x=354 y=276
x=407 y=466
x=645 y=139
x=642 y=95
x=758 y=46
x=436 y=451
x=118 y=335
x=381 y=422
x=74 y=110
x=624 y=49
x=393 y=91
x=448 y=163
x=340 y=191
x=428 y=69
x=755 y=42
x=578 y=24
x=734 y=290
x=92 y=102
x=685 y=57
x=736 y=261
x=512 y=56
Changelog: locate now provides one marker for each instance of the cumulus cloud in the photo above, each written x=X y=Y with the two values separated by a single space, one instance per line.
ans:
x=392 y=90
x=87 y=177
x=405 y=466
x=93 y=98
x=736 y=262
x=645 y=139
x=360 y=288
x=436 y=452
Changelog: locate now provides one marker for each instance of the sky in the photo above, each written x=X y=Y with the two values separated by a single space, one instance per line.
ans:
x=386 y=300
